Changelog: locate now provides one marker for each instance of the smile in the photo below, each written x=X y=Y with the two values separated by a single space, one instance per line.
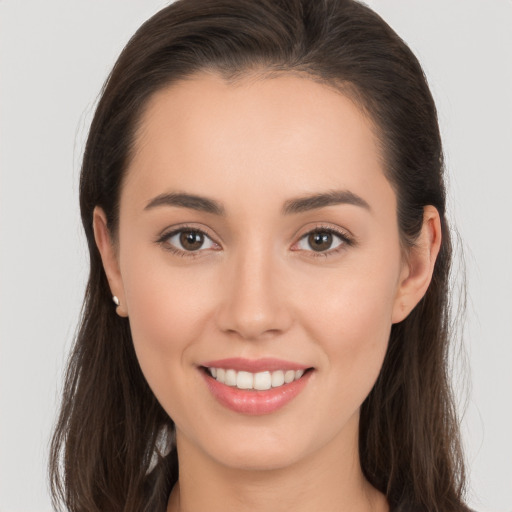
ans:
x=255 y=387
x=260 y=381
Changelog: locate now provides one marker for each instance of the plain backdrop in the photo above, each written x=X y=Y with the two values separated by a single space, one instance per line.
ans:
x=54 y=57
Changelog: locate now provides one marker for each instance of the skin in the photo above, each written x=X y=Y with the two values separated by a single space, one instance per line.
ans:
x=258 y=289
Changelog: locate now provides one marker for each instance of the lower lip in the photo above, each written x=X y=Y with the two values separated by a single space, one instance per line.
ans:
x=255 y=402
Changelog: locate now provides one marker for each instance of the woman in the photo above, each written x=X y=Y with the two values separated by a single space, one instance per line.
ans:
x=266 y=320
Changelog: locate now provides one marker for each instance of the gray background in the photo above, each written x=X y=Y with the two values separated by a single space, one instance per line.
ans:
x=54 y=57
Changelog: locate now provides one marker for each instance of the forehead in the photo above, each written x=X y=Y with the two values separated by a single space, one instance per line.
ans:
x=281 y=135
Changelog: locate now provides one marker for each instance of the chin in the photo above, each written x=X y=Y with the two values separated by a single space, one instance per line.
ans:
x=258 y=449
x=258 y=459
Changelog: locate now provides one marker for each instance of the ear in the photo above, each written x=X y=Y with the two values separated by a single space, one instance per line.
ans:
x=419 y=265
x=109 y=258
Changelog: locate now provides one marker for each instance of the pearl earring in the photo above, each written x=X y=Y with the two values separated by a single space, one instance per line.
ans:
x=116 y=300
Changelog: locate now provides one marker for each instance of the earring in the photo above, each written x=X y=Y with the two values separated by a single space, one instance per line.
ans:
x=116 y=300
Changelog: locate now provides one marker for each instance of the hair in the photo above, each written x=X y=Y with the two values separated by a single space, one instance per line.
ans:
x=113 y=446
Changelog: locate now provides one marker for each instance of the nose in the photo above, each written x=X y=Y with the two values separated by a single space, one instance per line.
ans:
x=253 y=301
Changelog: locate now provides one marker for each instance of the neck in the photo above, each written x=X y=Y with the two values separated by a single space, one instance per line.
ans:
x=330 y=480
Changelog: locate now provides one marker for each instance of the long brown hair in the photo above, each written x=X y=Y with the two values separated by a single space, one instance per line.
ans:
x=113 y=444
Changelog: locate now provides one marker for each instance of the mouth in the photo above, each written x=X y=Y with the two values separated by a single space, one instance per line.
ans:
x=268 y=387
x=260 y=381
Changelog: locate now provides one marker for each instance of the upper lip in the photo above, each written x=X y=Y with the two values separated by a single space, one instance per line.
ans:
x=254 y=365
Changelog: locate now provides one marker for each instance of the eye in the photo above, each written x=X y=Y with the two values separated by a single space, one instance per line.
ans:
x=187 y=240
x=323 y=240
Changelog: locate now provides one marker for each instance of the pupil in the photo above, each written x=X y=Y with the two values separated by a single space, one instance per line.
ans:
x=191 y=240
x=320 y=241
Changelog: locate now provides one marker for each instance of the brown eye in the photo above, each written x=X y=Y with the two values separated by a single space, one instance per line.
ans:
x=191 y=240
x=324 y=240
x=185 y=241
x=320 y=240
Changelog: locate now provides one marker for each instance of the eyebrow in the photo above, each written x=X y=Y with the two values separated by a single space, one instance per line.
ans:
x=191 y=201
x=316 y=201
x=297 y=205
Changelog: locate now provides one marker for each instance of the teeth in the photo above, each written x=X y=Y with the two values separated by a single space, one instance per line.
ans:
x=230 y=378
x=244 y=380
x=289 y=376
x=277 y=378
x=260 y=381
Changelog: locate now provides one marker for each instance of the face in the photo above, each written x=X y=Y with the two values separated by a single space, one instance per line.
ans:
x=258 y=242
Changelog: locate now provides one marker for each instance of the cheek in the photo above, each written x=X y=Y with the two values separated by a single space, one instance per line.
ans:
x=350 y=318
x=357 y=334
x=354 y=301
x=163 y=308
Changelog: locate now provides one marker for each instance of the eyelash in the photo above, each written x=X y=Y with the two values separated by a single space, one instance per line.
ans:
x=345 y=238
x=346 y=241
